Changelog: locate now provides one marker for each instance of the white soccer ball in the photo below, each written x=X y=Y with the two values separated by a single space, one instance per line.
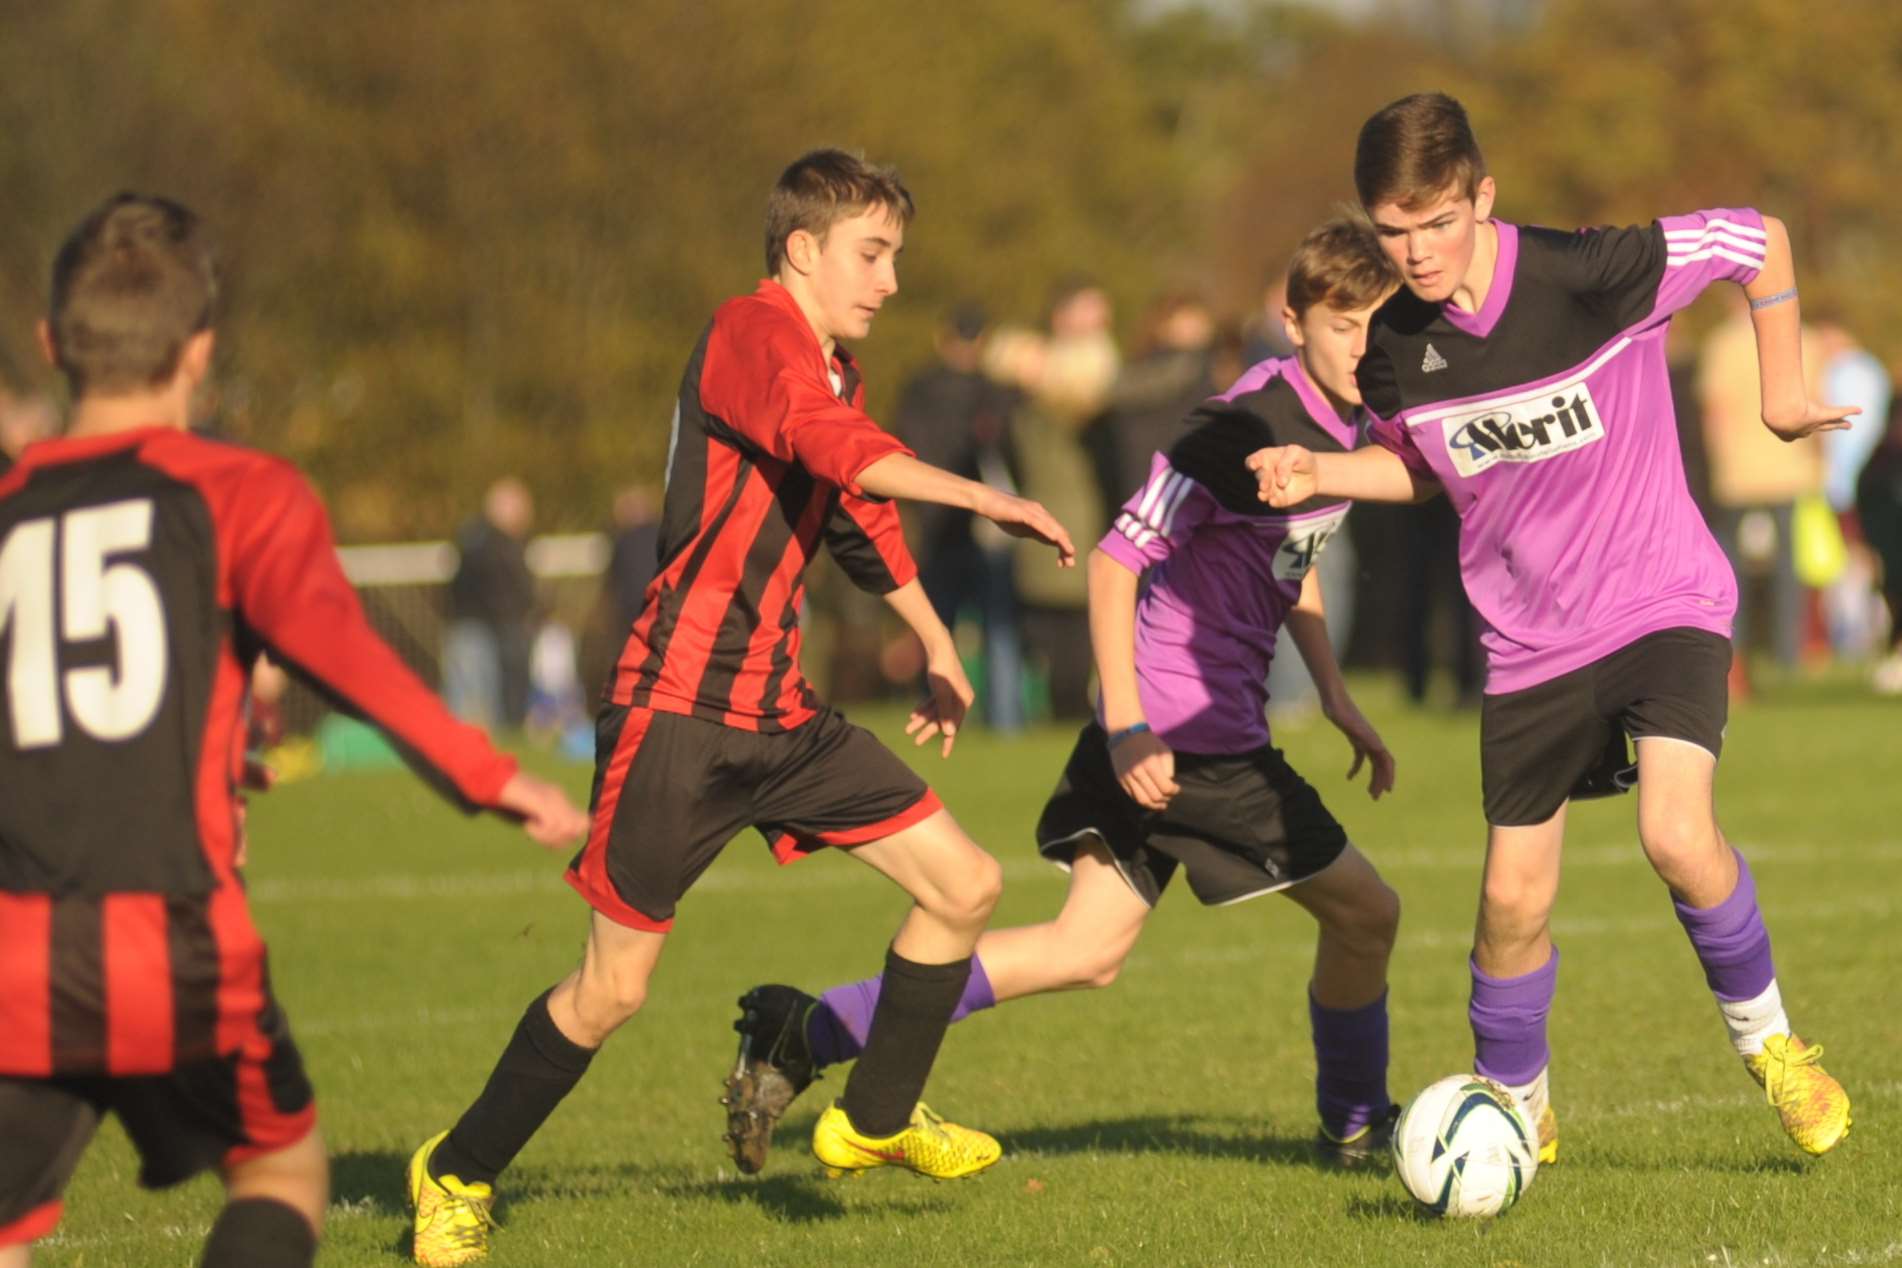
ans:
x=1463 y=1148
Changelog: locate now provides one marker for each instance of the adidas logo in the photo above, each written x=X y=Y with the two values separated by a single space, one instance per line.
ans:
x=1433 y=360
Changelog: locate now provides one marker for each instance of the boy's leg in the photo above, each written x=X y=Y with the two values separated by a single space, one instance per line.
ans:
x=46 y=1127
x=274 y=1209
x=954 y=885
x=452 y=1175
x=550 y=1050
x=1716 y=901
x=1515 y=967
x=1359 y=916
x=788 y=1036
x=1084 y=946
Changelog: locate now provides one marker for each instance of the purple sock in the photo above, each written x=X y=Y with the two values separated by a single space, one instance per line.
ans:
x=1508 y=1016
x=1730 y=940
x=1350 y=1060
x=837 y=1025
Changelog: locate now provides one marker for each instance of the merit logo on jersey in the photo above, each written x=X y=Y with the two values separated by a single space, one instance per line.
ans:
x=1549 y=424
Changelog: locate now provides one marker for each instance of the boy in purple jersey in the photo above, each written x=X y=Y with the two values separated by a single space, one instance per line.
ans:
x=1187 y=592
x=1522 y=370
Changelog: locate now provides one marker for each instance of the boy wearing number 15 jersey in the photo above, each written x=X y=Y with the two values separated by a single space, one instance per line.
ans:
x=142 y=570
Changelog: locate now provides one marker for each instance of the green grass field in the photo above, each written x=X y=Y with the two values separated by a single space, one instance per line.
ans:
x=1163 y=1121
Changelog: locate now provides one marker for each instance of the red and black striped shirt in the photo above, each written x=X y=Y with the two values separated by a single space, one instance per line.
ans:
x=768 y=442
x=140 y=574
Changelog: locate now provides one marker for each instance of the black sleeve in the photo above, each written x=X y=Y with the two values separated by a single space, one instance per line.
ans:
x=1214 y=451
x=1619 y=268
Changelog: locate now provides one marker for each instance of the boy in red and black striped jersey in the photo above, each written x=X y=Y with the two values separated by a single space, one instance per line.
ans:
x=708 y=726
x=142 y=571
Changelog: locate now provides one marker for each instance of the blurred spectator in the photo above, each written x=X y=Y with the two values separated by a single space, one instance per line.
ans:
x=1433 y=585
x=633 y=556
x=954 y=417
x=633 y=560
x=1879 y=510
x=557 y=709
x=1066 y=379
x=1155 y=390
x=1851 y=376
x=1267 y=331
x=491 y=611
x=1755 y=480
x=23 y=420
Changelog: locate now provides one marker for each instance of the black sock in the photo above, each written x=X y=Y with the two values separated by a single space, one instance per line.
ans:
x=259 y=1233
x=908 y=1023
x=537 y=1069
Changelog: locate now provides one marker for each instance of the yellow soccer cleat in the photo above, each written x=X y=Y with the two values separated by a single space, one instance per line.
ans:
x=928 y=1146
x=1548 y=1128
x=453 y=1222
x=1812 y=1105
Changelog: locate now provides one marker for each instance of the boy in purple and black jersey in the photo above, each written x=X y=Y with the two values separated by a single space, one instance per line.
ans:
x=1522 y=370
x=1177 y=772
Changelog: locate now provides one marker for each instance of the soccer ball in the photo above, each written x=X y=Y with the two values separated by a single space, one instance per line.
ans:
x=1464 y=1149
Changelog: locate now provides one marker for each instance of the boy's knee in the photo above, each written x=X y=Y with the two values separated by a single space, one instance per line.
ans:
x=1370 y=926
x=1669 y=836
x=970 y=897
x=607 y=996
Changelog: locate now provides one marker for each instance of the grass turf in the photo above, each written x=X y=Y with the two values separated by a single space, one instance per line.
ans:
x=1163 y=1121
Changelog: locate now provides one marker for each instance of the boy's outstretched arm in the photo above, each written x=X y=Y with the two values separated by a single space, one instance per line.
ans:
x=898 y=475
x=1307 y=625
x=1288 y=475
x=942 y=711
x=1787 y=408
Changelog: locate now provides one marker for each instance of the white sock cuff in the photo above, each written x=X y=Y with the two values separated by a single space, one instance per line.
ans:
x=1751 y=1021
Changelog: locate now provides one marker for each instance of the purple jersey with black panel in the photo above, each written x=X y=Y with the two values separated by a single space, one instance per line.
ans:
x=1220 y=567
x=1547 y=416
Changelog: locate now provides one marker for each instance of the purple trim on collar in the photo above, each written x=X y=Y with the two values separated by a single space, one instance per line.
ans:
x=1262 y=373
x=1482 y=322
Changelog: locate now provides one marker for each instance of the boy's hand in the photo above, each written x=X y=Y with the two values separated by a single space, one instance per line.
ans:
x=1284 y=474
x=1021 y=517
x=1146 y=768
x=1368 y=746
x=1810 y=417
x=942 y=712
x=544 y=810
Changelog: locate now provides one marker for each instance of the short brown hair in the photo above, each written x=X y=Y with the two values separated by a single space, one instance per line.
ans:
x=1416 y=150
x=1340 y=264
x=131 y=284
x=822 y=188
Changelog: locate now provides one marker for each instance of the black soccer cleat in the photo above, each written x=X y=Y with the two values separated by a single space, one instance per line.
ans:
x=773 y=1067
x=1371 y=1146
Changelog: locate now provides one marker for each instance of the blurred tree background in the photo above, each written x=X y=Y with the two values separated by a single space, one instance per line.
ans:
x=474 y=238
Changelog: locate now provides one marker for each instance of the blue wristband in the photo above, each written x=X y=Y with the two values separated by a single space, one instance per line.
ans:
x=1117 y=737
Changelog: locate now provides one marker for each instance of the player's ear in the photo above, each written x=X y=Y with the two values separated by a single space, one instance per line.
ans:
x=1292 y=325
x=195 y=359
x=802 y=250
x=49 y=350
x=1483 y=199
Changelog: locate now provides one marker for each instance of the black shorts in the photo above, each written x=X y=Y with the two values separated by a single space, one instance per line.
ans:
x=671 y=790
x=212 y=1113
x=1565 y=738
x=1243 y=824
